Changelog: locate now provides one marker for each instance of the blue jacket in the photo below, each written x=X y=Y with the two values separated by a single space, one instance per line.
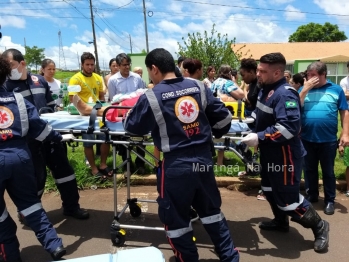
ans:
x=278 y=117
x=19 y=118
x=35 y=89
x=179 y=113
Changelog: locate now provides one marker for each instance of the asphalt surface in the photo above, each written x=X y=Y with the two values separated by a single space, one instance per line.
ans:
x=242 y=210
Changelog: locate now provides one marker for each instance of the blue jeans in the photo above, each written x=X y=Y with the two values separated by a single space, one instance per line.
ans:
x=325 y=153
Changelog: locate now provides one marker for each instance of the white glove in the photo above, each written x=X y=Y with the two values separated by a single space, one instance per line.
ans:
x=67 y=137
x=250 y=139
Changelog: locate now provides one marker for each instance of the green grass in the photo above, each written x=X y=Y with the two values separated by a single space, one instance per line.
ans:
x=64 y=76
x=86 y=180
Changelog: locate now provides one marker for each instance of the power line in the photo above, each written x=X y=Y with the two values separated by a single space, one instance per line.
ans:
x=257 y=8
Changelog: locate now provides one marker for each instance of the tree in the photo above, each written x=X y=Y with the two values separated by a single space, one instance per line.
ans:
x=33 y=56
x=314 y=32
x=210 y=50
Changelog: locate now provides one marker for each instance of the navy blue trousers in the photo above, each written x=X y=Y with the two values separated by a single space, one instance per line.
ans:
x=186 y=179
x=281 y=174
x=18 y=179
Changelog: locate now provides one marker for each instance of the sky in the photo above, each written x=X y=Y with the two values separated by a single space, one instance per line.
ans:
x=120 y=26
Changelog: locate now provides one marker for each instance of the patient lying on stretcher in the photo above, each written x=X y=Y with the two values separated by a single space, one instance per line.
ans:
x=113 y=114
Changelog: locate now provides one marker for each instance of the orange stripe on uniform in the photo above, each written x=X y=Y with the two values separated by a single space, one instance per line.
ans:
x=274 y=135
x=285 y=165
x=176 y=252
x=291 y=163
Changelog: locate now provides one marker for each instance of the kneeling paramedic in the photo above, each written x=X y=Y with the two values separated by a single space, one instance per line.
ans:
x=18 y=119
x=181 y=115
x=277 y=129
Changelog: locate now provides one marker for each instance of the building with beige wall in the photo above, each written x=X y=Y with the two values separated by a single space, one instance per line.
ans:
x=300 y=55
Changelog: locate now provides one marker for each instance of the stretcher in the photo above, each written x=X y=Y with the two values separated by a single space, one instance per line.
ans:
x=115 y=135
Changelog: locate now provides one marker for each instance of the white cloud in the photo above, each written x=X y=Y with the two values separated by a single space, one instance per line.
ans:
x=169 y=27
x=338 y=7
x=12 y=21
x=293 y=14
x=6 y=43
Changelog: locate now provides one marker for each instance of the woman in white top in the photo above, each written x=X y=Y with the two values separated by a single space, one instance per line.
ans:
x=48 y=70
x=211 y=76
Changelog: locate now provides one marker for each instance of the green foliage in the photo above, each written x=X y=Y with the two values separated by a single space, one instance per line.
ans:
x=33 y=56
x=314 y=32
x=214 y=49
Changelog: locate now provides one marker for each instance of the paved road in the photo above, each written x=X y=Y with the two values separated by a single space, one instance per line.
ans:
x=242 y=210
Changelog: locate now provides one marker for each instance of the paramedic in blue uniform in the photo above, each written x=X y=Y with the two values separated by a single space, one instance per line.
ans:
x=35 y=89
x=18 y=119
x=181 y=116
x=277 y=128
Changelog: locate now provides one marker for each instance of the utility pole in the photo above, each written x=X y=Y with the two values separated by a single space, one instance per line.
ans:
x=130 y=42
x=25 y=44
x=94 y=39
x=145 y=25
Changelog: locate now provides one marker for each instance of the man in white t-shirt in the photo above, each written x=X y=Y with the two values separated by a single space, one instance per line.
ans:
x=345 y=85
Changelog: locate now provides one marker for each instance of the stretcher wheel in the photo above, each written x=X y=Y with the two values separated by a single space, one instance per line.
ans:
x=135 y=210
x=118 y=238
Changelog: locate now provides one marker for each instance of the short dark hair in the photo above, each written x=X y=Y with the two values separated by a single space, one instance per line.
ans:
x=180 y=59
x=16 y=54
x=192 y=65
x=45 y=63
x=162 y=59
x=111 y=61
x=5 y=70
x=319 y=67
x=120 y=57
x=86 y=56
x=248 y=64
x=298 y=78
x=274 y=59
x=225 y=72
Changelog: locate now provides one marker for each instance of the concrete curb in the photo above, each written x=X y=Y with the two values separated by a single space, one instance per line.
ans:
x=247 y=182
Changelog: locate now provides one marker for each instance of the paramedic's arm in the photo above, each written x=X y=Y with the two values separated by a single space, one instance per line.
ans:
x=288 y=124
x=140 y=119
x=38 y=128
x=308 y=85
x=218 y=115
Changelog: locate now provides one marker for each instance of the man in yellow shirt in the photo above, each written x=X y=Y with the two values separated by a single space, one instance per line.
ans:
x=91 y=90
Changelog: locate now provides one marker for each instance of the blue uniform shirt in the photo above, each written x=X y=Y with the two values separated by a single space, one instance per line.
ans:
x=320 y=113
x=179 y=113
x=35 y=89
x=19 y=118
x=277 y=117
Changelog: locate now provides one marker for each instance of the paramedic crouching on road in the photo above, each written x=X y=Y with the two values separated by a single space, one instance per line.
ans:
x=277 y=134
x=179 y=114
x=18 y=119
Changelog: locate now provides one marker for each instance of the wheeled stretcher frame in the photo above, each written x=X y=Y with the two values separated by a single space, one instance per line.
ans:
x=117 y=232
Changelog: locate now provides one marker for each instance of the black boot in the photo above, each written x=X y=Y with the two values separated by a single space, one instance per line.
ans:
x=320 y=228
x=58 y=253
x=280 y=221
x=277 y=224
